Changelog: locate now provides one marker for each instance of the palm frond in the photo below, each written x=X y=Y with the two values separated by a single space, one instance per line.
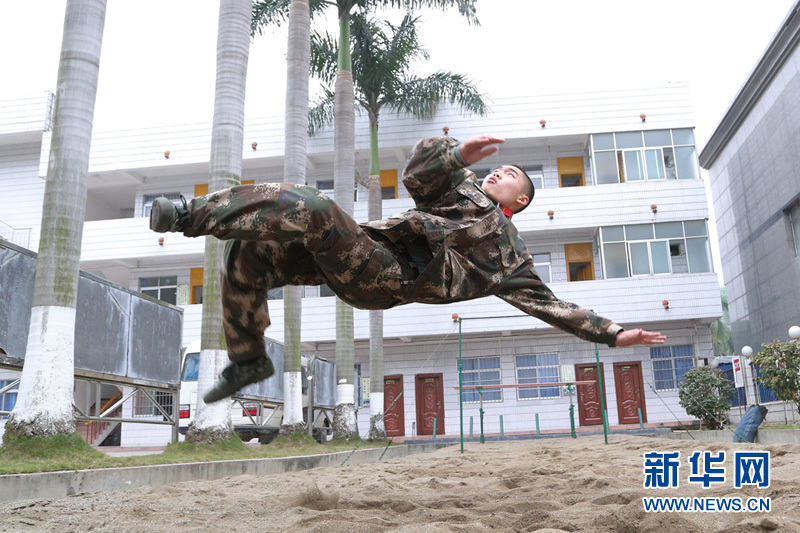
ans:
x=324 y=51
x=321 y=113
x=421 y=96
x=269 y=12
x=466 y=8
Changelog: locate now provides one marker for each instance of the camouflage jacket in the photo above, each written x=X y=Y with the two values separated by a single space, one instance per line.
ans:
x=464 y=247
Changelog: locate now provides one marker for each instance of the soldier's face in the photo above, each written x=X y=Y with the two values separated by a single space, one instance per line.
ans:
x=506 y=185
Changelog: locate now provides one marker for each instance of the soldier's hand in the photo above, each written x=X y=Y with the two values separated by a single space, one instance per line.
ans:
x=632 y=337
x=476 y=148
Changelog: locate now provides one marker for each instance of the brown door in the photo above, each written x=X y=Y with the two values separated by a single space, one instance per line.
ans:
x=590 y=409
x=430 y=403
x=394 y=420
x=630 y=392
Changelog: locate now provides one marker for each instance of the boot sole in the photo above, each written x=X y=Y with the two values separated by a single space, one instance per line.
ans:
x=158 y=223
x=226 y=389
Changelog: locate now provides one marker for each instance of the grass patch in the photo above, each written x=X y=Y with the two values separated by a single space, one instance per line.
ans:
x=46 y=454
x=70 y=452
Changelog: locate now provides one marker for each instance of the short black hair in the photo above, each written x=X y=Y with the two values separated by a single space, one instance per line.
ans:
x=529 y=190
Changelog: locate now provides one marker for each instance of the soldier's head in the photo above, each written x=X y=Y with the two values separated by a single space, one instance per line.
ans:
x=509 y=186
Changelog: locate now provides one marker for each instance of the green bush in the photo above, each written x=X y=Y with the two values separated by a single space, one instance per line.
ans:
x=706 y=394
x=779 y=366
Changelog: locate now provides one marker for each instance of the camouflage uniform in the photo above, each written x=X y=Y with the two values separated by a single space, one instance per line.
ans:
x=455 y=245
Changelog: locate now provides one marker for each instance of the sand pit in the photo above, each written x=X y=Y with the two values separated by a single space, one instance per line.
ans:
x=543 y=485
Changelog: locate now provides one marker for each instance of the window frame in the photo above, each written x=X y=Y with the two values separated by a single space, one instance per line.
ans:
x=669 y=240
x=645 y=147
x=549 y=265
x=148 y=199
x=675 y=380
x=143 y=407
x=472 y=395
x=537 y=390
x=794 y=224
x=159 y=286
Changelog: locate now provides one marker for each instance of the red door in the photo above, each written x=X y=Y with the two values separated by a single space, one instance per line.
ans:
x=590 y=408
x=430 y=403
x=630 y=392
x=394 y=420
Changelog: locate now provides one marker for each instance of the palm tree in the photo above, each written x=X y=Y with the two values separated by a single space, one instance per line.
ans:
x=294 y=171
x=274 y=11
x=212 y=423
x=382 y=79
x=44 y=407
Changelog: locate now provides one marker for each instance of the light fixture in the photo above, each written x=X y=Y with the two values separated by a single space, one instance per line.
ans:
x=551 y=213
x=543 y=122
x=794 y=332
x=654 y=208
x=747 y=351
x=643 y=117
x=254 y=145
x=714 y=363
x=665 y=303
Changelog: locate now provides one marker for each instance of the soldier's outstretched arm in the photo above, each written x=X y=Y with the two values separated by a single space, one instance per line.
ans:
x=540 y=302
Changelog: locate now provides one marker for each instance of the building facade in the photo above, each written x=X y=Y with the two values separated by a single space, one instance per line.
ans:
x=618 y=225
x=753 y=160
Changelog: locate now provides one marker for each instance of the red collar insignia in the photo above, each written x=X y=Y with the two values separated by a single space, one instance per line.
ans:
x=506 y=211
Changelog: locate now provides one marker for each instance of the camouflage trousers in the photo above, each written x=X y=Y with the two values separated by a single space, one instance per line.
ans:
x=284 y=234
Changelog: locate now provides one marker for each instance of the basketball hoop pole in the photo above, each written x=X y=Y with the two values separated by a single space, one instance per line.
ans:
x=460 y=387
x=602 y=396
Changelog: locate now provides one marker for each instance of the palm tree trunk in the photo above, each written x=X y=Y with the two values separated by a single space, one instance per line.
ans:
x=377 y=429
x=294 y=171
x=44 y=405
x=213 y=422
x=344 y=168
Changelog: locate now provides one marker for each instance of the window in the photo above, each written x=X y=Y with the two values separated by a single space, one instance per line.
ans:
x=479 y=371
x=389 y=184
x=201 y=189
x=191 y=367
x=644 y=155
x=580 y=262
x=647 y=249
x=174 y=197
x=326 y=187
x=9 y=398
x=541 y=263
x=794 y=219
x=570 y=171
x=539 y=368
x=196 y=286
x=142 y=406
x=670 y=363
x=164 y=288
x=325 y=291
x=537 y=177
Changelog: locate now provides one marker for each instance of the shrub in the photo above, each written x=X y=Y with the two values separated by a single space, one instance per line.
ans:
x=706 y=394
x=779 y=366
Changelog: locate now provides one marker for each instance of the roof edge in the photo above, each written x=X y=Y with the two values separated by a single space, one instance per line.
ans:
x=772 y=60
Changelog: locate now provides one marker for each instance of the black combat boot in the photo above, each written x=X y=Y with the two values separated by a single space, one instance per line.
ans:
x=235 y=376
x=166 y=216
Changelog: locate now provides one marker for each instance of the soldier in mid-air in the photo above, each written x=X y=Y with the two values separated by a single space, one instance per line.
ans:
x=457 y=244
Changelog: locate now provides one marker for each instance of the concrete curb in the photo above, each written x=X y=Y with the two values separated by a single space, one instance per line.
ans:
x=764 y=436
x=50 y=485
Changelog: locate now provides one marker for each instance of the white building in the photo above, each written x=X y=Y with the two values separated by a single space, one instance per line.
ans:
x=618 y=225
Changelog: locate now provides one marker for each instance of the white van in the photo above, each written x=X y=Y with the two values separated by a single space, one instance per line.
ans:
x=257 y=410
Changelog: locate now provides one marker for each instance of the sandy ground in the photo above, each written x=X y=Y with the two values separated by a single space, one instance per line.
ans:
x=535 y=485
